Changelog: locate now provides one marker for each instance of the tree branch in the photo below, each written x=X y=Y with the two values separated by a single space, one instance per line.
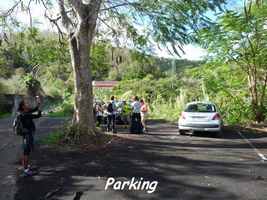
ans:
x=66 y=21
x=116 y=6
x=77 y=4
x=105 y=23
x=11 y=10
x=54 y=21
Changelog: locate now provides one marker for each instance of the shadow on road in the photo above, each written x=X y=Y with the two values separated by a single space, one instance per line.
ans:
x=79 y=174
x=149 y=160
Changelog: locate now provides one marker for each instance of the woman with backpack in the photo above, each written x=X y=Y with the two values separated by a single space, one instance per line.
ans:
x=26 y=116
x=111 y=111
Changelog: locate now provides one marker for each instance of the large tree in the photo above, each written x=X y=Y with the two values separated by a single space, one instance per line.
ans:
x=241 y=37
x=169 y=23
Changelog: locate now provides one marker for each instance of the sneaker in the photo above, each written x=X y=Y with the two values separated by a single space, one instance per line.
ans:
x=28 y=172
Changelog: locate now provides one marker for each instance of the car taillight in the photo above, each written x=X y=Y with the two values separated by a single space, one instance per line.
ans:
x=183 y=115
x=216 y=117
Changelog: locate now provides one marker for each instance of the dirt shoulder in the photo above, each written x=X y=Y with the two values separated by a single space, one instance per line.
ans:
x=258 y=128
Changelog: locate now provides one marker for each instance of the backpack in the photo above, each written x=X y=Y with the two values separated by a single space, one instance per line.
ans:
x=110 y=107
x=18 y=126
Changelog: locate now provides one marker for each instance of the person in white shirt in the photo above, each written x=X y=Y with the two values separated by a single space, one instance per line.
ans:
x=136 y=126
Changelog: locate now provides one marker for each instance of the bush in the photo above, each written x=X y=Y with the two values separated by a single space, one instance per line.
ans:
x=169 y=111
x=12 y=85
x=149 y=88
x=63 y=108
x=225 y=85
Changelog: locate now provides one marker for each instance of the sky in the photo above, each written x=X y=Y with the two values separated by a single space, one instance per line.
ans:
x=192 y=51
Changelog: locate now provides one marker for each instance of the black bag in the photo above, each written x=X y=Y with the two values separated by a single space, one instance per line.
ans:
x=110 y=107
x=18 y=126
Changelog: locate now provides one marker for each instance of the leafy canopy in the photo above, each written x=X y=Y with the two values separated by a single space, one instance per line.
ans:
x=169 y=23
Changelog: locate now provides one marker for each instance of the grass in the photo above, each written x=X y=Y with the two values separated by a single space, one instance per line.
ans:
x=60 y=110
x=167 y=111
x=65 y=138
x=5 y=115
x=59 y=114
x=52 y=138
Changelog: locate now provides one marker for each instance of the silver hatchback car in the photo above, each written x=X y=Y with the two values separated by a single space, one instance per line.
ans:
x=200 y=116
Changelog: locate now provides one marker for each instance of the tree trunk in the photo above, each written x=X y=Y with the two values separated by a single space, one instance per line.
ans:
x=81 y=34
x=83 y=103
x=256 y=102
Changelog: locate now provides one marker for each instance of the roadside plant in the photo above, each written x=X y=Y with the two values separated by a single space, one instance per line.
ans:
x=240 y=37
x=31 y=84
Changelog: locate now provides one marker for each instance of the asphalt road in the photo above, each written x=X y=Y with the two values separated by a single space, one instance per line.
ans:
x=11 y=150
x=186 y=167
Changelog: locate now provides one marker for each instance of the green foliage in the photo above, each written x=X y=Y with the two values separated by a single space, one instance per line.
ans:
x=31 y=82
x=5 y=72
x=102 y=94
x=136 y=65
x=224 y=85
x=11 y=57
x=236 y=42
x=150 y=88
x=100 y=61
x=161 y=95
x=133 y=65
x=36 y=53
x=56 y=78
x=12 y=85
x=63 y=108
x=4 y=115
x=1 y=87
x=166 y=110
x=241 y=37
x=41 y=48
x=168 y=23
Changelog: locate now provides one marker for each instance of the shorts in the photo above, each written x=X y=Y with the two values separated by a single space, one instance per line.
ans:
x=143 y=116
x=27 y=144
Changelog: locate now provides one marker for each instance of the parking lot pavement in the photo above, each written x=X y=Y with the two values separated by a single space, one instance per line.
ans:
x=10 y=152
x=185 y=167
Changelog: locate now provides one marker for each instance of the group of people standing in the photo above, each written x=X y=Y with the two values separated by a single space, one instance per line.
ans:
x=25 y=125
x=136 y=110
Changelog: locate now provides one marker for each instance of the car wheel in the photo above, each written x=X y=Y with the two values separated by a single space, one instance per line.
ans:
x=219 y=134
x=182 y=132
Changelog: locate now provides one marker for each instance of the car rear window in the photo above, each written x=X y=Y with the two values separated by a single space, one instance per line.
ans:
x=200 y=107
